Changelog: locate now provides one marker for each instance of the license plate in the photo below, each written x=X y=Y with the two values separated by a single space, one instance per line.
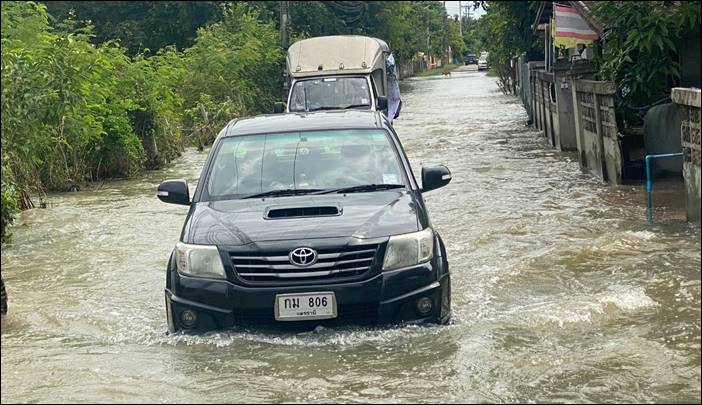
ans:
x=305 y=306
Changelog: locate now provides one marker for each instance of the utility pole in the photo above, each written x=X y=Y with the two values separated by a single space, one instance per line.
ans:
x=428 y=49
x=467 y=16
x=467 y=12
x=445 y=39
x=284 y=40
x=460 y=19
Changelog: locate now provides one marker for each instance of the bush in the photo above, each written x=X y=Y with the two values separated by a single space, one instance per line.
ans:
x=65 y=104
x=642 y=44
x=235 y=69
x=75 y=112
x=508 y=26
x=8 y=210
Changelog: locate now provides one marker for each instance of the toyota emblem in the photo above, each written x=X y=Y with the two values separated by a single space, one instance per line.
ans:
x=303 y=257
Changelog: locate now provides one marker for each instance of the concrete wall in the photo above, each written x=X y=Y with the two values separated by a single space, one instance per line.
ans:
x=689 y=100
x=524 y=86
x=599 y=149
x=536 y=105
x=545 y=105
x=409 y=68
x=551 y=117
x=564 y=108
x=552 y=107
x=580 y=117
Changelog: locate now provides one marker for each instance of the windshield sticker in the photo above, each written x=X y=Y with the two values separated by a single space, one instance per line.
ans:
x=390 y=178
x=364 y=100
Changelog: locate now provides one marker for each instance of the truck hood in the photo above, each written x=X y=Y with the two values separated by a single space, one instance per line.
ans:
x=362 y=215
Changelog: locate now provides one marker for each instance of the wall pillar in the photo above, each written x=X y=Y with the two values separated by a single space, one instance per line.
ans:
x=689 y=99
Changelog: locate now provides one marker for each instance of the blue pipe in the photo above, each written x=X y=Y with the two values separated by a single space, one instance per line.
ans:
x=649 y=193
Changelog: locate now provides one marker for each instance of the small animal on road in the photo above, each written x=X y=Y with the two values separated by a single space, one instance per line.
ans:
x=446 y=72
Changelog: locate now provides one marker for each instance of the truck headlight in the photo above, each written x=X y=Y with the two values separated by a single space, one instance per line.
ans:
x=409 y=249
x=199 y=261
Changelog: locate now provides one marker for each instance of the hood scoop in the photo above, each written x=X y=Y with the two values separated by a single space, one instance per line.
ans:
x=284 y=212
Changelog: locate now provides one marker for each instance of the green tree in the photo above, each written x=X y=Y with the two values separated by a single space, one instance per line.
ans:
x=509 y=28
x=70 y=109
x=642 y=44
x=407 y=26
x=476 y=35
x=455 y=40
x=83 y=99
x=8 y=207
x=234 y=68
x=140 y=25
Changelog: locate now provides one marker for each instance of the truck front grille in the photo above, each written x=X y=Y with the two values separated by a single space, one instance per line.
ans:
x=346 y=262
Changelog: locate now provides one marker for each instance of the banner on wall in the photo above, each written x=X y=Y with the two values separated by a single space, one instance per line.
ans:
x=569 y=29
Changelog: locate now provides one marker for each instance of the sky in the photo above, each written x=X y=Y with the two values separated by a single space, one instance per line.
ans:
x=452 y=8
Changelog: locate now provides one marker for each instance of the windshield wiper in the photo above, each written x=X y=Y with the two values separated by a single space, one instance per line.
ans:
x=325 y=108
x=328 y=107
x=282 y=193
x=360 y=189
x=357 y=105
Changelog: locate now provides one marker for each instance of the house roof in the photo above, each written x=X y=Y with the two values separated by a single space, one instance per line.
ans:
x=585 y=9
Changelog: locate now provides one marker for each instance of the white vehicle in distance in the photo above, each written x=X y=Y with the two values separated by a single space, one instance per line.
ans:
x=335 y=73
x=482 y=62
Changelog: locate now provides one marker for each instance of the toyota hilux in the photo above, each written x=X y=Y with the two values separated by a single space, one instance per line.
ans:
x=306 y=219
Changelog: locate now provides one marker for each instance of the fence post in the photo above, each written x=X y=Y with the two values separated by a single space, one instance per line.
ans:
x=600 y=141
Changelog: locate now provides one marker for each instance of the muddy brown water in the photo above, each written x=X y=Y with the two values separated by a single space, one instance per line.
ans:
x=561 y=291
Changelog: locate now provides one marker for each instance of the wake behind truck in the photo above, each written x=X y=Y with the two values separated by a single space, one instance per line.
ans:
x=337 y=72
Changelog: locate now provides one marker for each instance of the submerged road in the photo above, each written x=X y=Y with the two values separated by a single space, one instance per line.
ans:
x=561 y=291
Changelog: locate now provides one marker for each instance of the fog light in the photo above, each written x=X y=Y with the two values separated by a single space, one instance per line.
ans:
x=424 y=305
x=188 y=318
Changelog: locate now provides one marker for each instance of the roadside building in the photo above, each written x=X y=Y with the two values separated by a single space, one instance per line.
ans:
x=577 y=112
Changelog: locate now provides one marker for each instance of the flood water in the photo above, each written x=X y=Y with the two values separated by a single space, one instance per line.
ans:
x=561 y=290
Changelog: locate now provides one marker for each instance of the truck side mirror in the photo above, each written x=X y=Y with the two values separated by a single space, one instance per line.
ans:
x=174 y=192
x=434 y=177
x=382 y=103
x=278 y=107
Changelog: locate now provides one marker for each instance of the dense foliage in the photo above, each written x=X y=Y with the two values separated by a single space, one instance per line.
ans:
x=640 y=50
x=94 y=90
x=642 y=44
x=141 y=25
x=506 y=28
x=8 y=208
x=407 y=26
x=454 y=38
x=476 y=35
x=74 y=111
x=234 y=69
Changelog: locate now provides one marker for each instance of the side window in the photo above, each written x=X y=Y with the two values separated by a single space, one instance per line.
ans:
x=378 y=83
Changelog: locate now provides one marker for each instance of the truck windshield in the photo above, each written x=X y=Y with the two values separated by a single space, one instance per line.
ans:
x=299 y=162
x=330 y=93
